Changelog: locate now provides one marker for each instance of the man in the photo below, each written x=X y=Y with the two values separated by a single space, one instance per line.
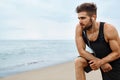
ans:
x=102 y=38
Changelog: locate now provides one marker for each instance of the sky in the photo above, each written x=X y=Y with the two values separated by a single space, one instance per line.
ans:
x=49 y=19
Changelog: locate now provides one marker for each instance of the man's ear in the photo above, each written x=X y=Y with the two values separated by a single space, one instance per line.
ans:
x=93 y=17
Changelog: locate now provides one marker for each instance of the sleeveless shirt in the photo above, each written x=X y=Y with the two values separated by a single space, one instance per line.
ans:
x=100 y=47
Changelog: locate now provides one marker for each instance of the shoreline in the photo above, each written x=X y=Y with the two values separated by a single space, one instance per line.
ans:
x=63 y=71
x=31 y=69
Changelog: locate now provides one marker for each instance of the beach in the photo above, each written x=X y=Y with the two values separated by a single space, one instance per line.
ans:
x=64 y=71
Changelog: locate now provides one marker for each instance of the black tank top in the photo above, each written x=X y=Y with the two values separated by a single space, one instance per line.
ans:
x=99 y=46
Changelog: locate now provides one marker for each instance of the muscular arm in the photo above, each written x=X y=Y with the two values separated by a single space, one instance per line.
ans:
x=81 y=45
x=114 y=42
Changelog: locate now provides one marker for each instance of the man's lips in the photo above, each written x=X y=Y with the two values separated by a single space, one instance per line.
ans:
x=81 y=24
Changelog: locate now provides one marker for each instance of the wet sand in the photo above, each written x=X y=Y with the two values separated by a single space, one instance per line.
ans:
x=65 y=71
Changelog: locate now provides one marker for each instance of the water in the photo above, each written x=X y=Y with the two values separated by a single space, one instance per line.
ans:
x=18 y=56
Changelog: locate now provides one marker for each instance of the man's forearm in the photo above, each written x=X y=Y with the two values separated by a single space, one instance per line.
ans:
x=111 y=57
x=88 y=56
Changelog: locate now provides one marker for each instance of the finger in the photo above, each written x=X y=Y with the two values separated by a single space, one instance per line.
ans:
x=110 y=68
x=93 y=67
x=104 y=70
x=90 y=62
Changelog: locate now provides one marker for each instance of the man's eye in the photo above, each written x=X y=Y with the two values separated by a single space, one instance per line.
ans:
x=82 y=17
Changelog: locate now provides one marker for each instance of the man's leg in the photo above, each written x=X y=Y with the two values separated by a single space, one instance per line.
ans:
x=80 y=63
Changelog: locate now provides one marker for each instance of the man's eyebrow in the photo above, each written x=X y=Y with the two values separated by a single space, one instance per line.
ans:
x=81 y=17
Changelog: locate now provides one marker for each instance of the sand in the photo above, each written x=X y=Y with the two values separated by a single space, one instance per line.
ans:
x=63 y=71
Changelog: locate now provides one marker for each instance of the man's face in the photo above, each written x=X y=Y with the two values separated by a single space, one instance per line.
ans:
x=84 y=20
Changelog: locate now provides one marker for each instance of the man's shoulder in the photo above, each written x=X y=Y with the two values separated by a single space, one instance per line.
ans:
x=78 y=25
x=110 y=30
x=78 y=28
x=109 y=27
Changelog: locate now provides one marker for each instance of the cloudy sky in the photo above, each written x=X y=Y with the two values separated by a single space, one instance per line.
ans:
x=48 y=19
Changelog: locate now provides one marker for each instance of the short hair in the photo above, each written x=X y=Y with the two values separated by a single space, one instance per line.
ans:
x=90 y=8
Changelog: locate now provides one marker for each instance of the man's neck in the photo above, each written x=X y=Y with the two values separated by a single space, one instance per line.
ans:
x=93 y=28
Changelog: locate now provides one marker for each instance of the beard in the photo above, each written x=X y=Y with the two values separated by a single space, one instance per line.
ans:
x=87 y=27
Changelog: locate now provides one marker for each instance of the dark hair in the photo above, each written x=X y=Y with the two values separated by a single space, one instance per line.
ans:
x=90 y=8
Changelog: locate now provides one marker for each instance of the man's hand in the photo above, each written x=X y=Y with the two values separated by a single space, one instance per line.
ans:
x=106 y=67
x=95 y=64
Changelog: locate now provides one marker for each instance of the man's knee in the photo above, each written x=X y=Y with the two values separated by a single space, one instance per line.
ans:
x=80 y=62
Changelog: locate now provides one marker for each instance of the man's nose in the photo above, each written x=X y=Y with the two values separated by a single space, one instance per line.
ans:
x=80 y=21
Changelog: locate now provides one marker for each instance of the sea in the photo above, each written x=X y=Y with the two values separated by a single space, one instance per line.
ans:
x=18 y=56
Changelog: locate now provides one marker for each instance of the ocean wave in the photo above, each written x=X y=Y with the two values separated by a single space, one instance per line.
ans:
x=21 y=65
